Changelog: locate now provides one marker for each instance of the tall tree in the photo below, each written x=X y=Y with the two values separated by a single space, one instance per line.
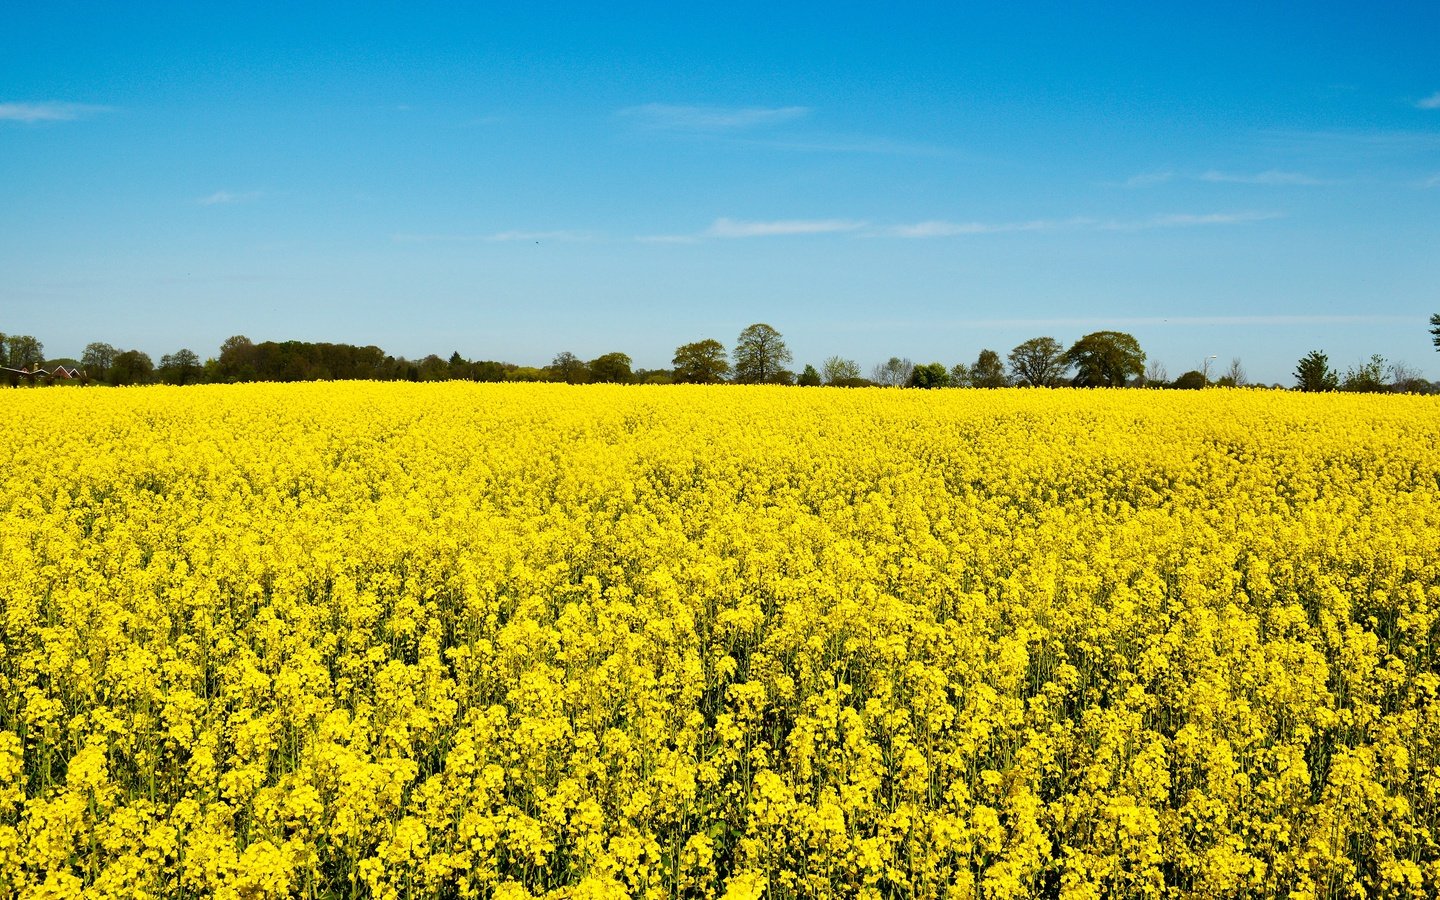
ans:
x=809 y=378
x=97 y=359
x=838 y=370
x=988 y=372
x=893 y=372
x=569 y=368
x=24 y=351
x=1039 y=362
x=131 y=367
x=180 y=367
x=701 y=362
x=611 y=368
x=1313 y=373
x=1368 y=377
x=760 y=355
x=1106 y=359
x=1434 y=330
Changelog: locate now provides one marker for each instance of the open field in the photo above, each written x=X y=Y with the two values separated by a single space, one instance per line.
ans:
x=337 y=640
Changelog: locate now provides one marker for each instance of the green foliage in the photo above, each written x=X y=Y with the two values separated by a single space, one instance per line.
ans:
x=894 y=372
x=838 y=370
x=988 y=372
x=569 y=368
x=180 y=367
x=809 y=378
x=1367 y=378
x=131 y=367
x=701 y=362
x=1435 y=330
x=930 y=375
x=1313 y=373
x=1106 y=359
x=1190 y=381
x=611 y=368
x=1039 y=362
x=760 y=356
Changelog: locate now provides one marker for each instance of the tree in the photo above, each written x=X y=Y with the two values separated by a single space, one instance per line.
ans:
x=760 y=355
x=1106 y=359
x=960 y=375
x=97 y=359
x=569 y=368
x=1235 y=375
x=1039 y=362
x=894 y=372
x=837 y=369
x=1313 y=373
x=1156 y=375
x=611 y=368
x=809 y=377
x=131 y=367
x=180 y=367
x=930 y=375
x=987 y=371
x=702 y=362
x=1366 y=378
x=1192 y=380
x=433 y=368
x=1434 y=330
x=237 y=360
x=23 y=351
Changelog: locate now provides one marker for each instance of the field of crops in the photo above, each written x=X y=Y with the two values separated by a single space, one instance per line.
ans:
x=360 y=640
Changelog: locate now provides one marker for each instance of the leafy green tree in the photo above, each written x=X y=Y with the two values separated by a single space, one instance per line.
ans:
x=760 y=355
x=569 y=368
x=180 y=367
x=988 y=372
x=611 y=368
x=837 y=369
x=1039 y=362
x=810 y=377
x=433 y=368
x=1106 y=359
x=1367 y=378
x=237 y=359
x=23 y=351
x=1313 y=373
x=1434 y=330
x=930 y=375
x=1190 y=381
x=97 y=359
x=131 y=367
x=701 y=362
x=960 y=375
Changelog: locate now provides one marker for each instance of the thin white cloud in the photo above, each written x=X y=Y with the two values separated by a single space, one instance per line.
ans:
x=225 y=198
x=1430 y=102
x=941 y=228
x=674 y=117
x=1148 y=179
x=47 y=112
x=1271 y=177
x=732 y=228
x=1432 y=182
x=1183 y=220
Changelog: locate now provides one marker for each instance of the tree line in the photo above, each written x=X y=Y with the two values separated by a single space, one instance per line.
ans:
x=759 y=356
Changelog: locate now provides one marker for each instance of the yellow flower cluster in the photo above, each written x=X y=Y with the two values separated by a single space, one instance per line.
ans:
x=516 y=641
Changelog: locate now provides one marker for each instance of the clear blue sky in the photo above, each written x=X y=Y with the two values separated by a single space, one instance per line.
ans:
x=515 y=180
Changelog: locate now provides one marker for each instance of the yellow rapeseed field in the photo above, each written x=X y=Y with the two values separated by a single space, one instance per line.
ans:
x=362 y=640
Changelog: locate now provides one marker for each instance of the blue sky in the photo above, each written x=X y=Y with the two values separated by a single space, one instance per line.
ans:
x=1238 y=180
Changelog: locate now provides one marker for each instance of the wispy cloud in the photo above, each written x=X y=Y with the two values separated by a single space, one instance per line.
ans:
x=1432 y=182
x=498 y=237
x=1430 y=102
x=674 y=117
x=1148 y=179
x=47 y=112
x=224 y=198
x=732 y=228
x=941 y=228
x=1270 y=177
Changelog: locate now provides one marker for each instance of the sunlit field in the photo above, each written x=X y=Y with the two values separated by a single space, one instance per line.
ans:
x=454 y=640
